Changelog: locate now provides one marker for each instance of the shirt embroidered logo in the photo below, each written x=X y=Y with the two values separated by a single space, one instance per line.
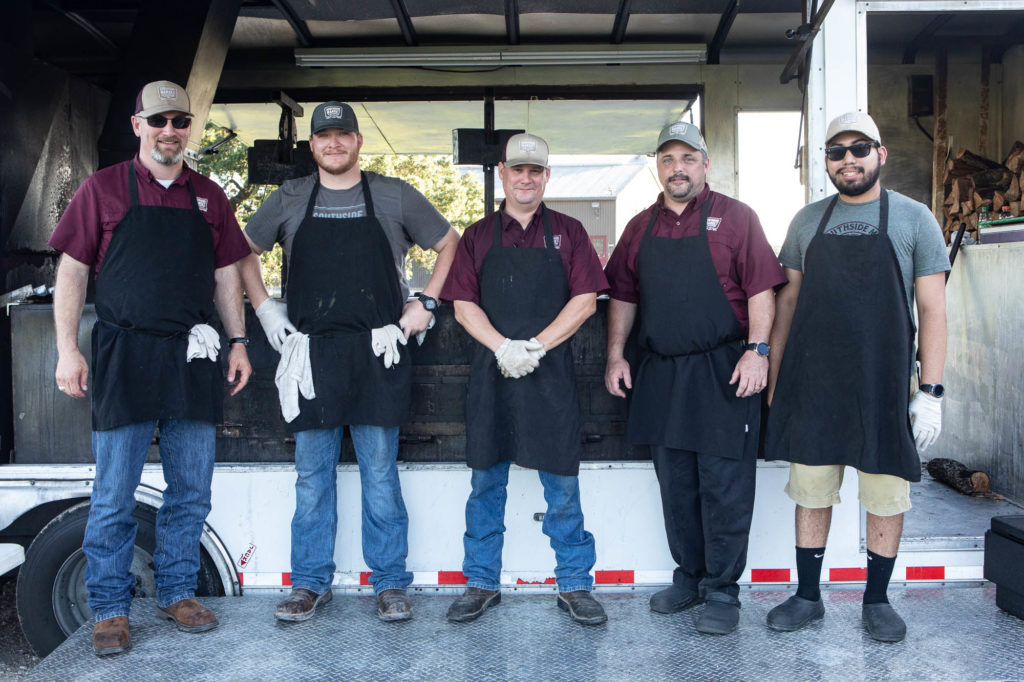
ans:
x=557 y=239
x=713 y=224
x=203 y=203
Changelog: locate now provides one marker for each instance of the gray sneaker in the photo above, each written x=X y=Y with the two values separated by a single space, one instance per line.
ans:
x=300 y=604
x=795 y=613
x=883 y=623
x=582 y=607
x=674 y=599
x=394 y=605
x=472 y=604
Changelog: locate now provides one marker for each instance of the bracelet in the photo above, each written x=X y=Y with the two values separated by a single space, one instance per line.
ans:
x=244 y=340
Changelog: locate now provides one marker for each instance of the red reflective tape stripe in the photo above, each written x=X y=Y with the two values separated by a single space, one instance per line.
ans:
x=926 y=572
x=240 y=580
x=612 y=577
x=840 y=574
x=769 y=575
x=451 y=578
x=286 y=578
x=364 y=578
x=548 y=581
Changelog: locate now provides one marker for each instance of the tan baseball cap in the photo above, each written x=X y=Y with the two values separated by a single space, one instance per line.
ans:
x=853 y=122
x=684 y=132
x=159 y=97
x=524 y=148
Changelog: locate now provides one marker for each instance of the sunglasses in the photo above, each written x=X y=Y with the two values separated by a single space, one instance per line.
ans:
x=859 y=151
x=159 y=121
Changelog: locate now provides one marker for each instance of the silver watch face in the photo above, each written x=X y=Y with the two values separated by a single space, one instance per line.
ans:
x=428 y=302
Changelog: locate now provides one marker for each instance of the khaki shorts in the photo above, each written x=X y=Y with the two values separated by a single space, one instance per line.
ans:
x=815 y=487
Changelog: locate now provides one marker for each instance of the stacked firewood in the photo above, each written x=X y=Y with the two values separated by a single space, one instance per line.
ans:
x=972 y=181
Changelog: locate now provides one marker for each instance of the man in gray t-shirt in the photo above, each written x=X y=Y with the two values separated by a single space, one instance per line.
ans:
x=841 y=346
x=346 y=235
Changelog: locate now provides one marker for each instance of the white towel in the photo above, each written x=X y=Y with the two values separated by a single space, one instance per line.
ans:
x=203 y=342
x=294 y=375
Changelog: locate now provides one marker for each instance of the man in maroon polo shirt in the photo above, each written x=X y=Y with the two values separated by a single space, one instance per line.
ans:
x=523 y=281
x=162 y=241
x=699 y=268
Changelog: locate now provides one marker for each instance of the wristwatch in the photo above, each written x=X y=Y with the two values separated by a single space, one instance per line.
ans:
x=760 y=347
x=244 y=340
x=934 y=390
x=429 y=302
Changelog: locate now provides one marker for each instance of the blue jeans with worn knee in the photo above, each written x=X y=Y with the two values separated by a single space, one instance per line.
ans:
x=563 y=524
x=385 y=523
x=187 y=454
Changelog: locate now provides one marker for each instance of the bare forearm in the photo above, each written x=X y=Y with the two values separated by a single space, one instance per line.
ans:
x=475 y=321
x=252 y=279
x=569 y=320
x=228 y=298
x=931 y=312
x=68 y=298
x=445 y=255
x=621 y=316
x=761 y=312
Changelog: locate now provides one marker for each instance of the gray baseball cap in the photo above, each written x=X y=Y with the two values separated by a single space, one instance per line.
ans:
x=525 y=148
x=853 y=122
x=159 y=97
x=333 y=115
x=684 y=132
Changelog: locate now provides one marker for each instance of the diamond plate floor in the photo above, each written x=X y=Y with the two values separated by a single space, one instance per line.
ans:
x=954 y=633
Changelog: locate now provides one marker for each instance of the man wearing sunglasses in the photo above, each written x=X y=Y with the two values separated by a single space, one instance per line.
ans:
x=698 y=270
x=841 y=364
x=346 y=234
x=163 y=243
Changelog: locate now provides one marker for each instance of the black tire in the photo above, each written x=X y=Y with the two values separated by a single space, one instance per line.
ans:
x=51 y=595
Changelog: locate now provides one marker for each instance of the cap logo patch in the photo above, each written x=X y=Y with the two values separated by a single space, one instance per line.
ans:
x=167 y=92
x=528 y=145
x=848 y=118
x=679 y=129
x=332 y=112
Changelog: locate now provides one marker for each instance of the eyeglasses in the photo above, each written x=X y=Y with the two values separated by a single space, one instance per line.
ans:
x=859 y=151
x=159 y=121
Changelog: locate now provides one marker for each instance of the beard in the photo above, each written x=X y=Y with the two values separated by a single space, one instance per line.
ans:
x=338 y=167
x=681 y=194
x=856 y=186
x=169 y=160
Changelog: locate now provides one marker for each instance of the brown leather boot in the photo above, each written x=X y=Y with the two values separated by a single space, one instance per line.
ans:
x=190 y=616
x=111 y=636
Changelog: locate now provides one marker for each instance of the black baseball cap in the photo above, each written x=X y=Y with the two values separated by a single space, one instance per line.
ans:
x=333 y=115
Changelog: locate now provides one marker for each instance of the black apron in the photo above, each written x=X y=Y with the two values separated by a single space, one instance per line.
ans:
x=342 y=283
x=843 y=388
x=534 y=420
x=691 y=342
x=155 y=283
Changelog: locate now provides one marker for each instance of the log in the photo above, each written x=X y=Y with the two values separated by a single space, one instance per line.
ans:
x=994 y=178
x=1013 y=191
x=1015 y=158
x=957 y=476
x=1015 y=208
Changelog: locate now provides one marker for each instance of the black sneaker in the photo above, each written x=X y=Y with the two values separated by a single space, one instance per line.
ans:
x=674 y=599
x=394 y=605
x=718 y=617
x=582 y=607
x=300 y=604
x=795 y=613
x=472 y=604
x=883 y=623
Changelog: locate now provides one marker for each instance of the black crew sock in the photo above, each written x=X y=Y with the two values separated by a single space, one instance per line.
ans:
x=808 y=572
x=879 y=572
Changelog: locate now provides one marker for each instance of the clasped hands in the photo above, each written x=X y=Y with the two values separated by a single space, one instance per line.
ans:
x=518 y=358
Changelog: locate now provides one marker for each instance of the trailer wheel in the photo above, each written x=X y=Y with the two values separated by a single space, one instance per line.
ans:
x=51 y=595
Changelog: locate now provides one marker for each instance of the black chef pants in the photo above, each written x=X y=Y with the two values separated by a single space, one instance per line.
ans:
x=708 y=502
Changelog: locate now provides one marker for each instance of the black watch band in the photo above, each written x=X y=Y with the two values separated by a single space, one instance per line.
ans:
x=244 y=340
x=934 y=390
x=429 y=302
x=760 y=347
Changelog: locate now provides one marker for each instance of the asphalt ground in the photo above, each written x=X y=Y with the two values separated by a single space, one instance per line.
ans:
x=16 y=657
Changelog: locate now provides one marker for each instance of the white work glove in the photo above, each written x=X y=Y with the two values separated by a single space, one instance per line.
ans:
x=294 y=375
x=925 y=419
x=518 y=358
x=273 y=315
x=203 y=342
x=423 y=334
x=384 y=340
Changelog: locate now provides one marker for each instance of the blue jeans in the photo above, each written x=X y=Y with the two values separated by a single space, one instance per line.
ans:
x=315 y=523
x=563 y=524
x=187 y=454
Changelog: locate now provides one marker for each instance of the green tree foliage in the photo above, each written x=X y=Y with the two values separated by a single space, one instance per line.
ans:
x=458 y=196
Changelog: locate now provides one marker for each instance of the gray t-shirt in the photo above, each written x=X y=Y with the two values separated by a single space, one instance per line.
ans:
x=407 y=216
x=916 y=237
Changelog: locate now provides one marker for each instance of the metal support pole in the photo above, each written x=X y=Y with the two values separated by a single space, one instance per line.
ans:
x=490 y=138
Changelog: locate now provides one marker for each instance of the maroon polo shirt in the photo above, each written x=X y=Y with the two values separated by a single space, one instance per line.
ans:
x=582 y=266
x=88 y=223
x=743 y=259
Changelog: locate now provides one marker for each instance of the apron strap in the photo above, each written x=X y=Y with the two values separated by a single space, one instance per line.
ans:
x=883 y=214
x=704 y=208
x=192 y=191
x=133 y=190
x=312 y=195
x=825 y=217
x=549 y=235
